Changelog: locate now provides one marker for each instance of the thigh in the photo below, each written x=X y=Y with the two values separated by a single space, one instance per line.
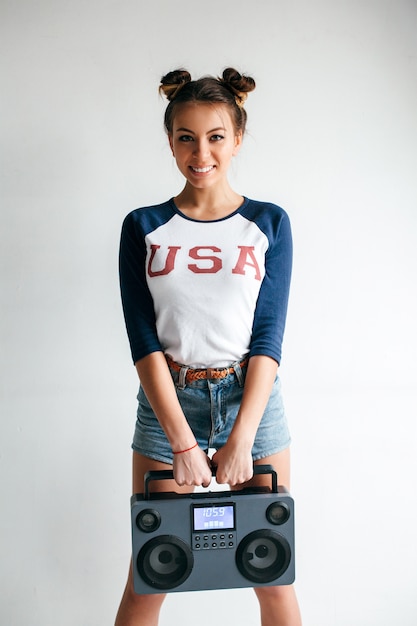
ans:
x=142 y=464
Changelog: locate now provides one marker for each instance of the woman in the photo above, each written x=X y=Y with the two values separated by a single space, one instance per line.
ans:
x=204 y=280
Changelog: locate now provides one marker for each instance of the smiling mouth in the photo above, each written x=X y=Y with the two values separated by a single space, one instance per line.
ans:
x=202 y=170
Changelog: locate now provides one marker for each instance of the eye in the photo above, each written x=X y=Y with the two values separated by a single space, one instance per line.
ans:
x=185 y=138
x=216 y=137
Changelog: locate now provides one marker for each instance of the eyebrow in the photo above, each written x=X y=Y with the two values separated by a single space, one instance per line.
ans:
x=187 y=130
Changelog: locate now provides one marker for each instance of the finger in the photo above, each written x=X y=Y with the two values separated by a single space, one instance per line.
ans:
x=222 y=479
x=206 y=480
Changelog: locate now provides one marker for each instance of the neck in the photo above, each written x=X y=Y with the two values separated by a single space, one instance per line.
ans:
x=208 y=204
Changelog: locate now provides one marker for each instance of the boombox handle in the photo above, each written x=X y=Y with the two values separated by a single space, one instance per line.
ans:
x=169 y=475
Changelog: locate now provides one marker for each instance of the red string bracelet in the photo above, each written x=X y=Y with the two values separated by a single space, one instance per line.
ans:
x=187 y=449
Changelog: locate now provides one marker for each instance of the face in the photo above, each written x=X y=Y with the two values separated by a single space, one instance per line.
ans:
x=203 y=142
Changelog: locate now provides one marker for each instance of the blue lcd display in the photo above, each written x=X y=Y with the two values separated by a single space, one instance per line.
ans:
x=213 y=517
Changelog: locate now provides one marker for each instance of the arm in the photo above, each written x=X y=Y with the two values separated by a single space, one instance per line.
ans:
x=234 y=461
x=191 y=467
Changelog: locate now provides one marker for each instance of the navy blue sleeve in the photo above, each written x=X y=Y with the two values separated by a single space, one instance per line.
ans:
x=136 y=298
x=272 y=304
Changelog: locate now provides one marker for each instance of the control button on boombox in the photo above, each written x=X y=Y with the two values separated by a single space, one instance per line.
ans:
x=213 y=542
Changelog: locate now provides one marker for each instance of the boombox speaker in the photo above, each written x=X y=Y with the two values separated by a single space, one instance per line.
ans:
x=212 y=539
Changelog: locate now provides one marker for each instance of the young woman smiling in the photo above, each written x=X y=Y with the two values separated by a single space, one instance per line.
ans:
x=205 y=279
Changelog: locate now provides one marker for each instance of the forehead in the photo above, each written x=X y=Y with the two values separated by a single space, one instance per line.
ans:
x=202 y=115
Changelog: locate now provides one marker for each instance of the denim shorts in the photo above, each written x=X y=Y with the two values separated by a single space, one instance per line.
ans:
x=211 y=406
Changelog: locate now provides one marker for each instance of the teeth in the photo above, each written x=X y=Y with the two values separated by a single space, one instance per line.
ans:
x=202 y=170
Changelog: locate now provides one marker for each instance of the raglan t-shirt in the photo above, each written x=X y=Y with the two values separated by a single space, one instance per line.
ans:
x=206 y=293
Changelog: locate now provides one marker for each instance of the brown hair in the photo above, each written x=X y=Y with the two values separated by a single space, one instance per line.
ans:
x=231 y=89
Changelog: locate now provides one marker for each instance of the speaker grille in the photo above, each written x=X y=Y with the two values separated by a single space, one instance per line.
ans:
x=263 y=556
x=165 y=562
x=148 y=520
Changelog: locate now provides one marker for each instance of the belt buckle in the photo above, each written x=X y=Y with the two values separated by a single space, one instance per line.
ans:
x=210 y=373
x=217 y=373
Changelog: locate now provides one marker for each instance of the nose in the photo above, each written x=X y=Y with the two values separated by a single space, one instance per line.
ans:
x=201 y=148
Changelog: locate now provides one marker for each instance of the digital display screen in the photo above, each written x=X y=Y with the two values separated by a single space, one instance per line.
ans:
x=213 y=517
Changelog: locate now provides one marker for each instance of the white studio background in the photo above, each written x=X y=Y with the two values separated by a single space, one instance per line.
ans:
x=332 y=138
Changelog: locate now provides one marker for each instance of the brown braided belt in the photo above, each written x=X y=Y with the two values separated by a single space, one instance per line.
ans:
x=203 y=374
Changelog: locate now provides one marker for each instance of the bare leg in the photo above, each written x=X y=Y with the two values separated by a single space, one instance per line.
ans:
x=136 y=609
x=279 y=606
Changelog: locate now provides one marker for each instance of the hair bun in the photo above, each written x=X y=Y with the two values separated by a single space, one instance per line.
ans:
x=172 y=82
x=239 y=84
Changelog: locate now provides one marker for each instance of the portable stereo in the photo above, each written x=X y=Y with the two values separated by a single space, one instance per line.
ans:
x=212 y=539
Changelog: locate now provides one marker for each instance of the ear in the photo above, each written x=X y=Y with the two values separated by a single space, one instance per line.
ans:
x=171 y=144
x=238 y=142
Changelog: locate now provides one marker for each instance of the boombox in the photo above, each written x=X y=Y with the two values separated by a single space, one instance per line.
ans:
x=212 y=539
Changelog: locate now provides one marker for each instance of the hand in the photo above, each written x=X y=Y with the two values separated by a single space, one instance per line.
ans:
x=234 y=465
x=192 y=468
